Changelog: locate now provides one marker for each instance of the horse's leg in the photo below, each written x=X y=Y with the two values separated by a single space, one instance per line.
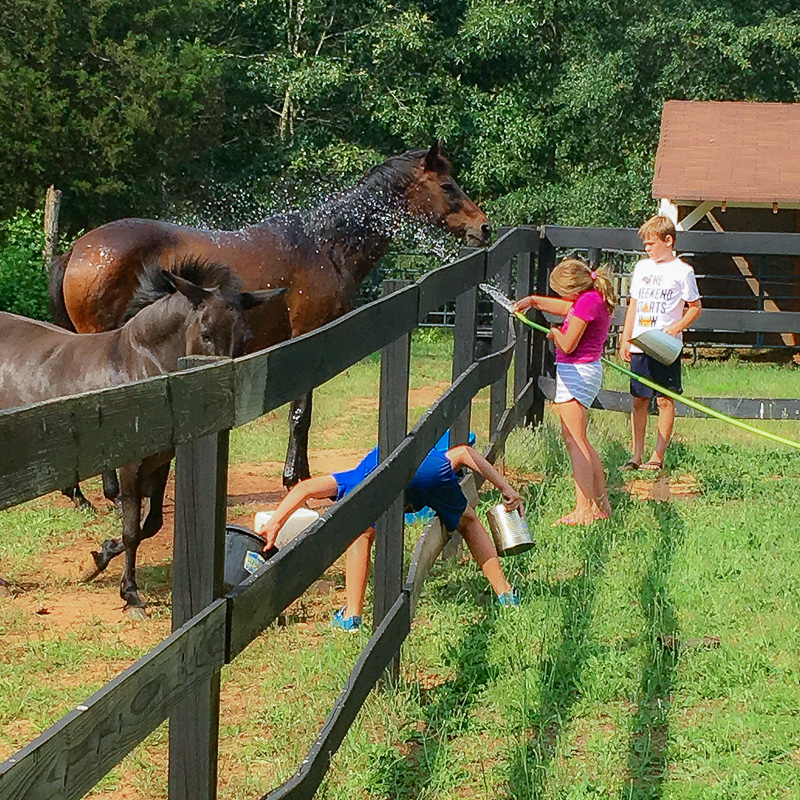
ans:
x=111 y=488
x=130 y=496
x=296 y=467
x=108 y=550
x=77 y=496
x=157 y=486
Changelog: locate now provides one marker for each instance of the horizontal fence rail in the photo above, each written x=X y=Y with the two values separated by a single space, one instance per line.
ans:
x=61 y=441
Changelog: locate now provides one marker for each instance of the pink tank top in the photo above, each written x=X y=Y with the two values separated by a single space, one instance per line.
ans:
x=591 y=308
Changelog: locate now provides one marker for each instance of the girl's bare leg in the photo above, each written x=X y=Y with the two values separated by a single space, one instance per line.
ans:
x=591 y=500
x=356 y=573
x=483 y=551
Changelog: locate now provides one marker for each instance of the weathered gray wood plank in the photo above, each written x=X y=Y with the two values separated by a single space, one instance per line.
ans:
x=69 y=758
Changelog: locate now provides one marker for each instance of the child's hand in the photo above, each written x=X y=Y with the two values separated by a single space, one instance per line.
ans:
x=625 y=351
x=512 y=500
x=551 y=334
x=673 y=330
x=521 y=305
x=270 y=534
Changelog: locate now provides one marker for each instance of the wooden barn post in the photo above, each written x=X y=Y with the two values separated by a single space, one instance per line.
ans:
x=201 y=473
x=392 y=429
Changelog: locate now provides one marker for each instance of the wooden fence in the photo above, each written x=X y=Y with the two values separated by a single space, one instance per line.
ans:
x=63 y=441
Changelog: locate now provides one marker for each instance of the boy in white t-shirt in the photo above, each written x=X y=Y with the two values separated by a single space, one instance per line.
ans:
x=663 y=295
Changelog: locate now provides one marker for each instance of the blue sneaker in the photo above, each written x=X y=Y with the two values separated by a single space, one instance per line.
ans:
x=342 y=623
x=508 y=598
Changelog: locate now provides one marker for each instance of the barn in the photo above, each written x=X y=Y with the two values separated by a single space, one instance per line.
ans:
x=735 y=166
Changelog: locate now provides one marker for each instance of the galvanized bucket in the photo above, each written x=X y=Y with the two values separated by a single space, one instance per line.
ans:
x=509 y=531
x=659 y=345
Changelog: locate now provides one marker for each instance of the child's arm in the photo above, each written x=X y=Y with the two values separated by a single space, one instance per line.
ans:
x=319 y=488
x=464 y=456
x=567 y=342
x=548 y=305
x=693 y=311
x=627 y=330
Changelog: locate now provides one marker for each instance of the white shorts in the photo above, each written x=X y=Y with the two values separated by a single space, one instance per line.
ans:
x=579 y=382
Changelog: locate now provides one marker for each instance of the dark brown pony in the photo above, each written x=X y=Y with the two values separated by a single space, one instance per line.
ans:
x=170 y=316
x=319 y=256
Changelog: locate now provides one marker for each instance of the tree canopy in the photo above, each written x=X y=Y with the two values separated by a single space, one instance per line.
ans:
x=550 y=111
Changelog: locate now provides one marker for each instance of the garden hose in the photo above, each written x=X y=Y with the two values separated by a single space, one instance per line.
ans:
x=687 y=401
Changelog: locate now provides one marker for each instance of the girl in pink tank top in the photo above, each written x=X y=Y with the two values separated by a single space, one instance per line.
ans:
x=587 y=303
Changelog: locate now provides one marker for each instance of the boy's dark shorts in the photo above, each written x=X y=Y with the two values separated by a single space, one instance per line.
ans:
x=668 y=376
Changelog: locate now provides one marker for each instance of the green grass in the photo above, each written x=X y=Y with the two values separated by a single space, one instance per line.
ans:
x=574 y=695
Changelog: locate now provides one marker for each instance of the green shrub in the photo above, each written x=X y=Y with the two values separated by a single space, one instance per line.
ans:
x=23 y=275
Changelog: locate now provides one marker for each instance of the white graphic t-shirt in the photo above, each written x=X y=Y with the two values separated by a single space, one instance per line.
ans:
x=660 y=290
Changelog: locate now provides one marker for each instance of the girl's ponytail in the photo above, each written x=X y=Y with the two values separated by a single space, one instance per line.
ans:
x=573 y=276
x=603 y=280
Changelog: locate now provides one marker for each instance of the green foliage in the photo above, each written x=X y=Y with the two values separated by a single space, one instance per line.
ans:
x=23 y=276
x=550 y=111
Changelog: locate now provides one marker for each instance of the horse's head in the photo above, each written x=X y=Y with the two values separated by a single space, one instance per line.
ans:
x=436 y=197
x=216 y=323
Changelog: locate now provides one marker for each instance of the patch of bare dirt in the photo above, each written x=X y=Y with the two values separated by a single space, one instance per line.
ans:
x=664 y=488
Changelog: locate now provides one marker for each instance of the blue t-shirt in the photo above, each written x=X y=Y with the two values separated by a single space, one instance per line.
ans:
x=434 y=484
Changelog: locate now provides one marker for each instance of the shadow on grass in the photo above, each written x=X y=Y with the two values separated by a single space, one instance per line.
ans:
x=446 y=714
x=561 y=673
x=647 y=756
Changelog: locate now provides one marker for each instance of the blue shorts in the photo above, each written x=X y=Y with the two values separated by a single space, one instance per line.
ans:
x=434 y=484
x=668 y=376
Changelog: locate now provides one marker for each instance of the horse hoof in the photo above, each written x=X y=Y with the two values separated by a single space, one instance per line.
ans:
x=91 y=571
x=135 y=612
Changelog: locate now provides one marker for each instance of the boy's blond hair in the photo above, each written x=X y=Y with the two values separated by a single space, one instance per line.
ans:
x=659 y=226
x=573 y=277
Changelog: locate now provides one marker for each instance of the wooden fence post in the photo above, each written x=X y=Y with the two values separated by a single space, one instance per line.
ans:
x=541 y=356
x=524 y=362
x=500 y=333
x=594 y=255
x=52 y=203
x=392 y=429
x=201 y=473
x=465 y=334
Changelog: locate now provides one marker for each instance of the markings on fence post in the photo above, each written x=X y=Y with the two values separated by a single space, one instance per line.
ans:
x=392 y=429
x=201 y=472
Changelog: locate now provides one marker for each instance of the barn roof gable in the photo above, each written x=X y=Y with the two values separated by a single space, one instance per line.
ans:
x=736 y=152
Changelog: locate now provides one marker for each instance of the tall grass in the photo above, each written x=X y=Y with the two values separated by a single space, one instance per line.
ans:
x=602 y=684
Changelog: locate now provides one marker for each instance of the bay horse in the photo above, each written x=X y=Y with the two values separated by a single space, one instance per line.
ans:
x=320 y=256
x=170 y=315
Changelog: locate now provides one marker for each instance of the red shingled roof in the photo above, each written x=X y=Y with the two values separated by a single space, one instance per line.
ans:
x=732 y=151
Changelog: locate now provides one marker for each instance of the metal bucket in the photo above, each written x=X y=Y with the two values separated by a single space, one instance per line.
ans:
x=659 y=345
x=509 y=531
x=244 y=554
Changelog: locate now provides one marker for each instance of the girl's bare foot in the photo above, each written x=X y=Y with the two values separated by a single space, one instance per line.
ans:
x=583 y=516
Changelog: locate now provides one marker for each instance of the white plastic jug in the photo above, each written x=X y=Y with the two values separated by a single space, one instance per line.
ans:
x=293 y=526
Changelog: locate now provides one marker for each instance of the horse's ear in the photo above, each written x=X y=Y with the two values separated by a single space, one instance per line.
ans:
x=252 y=299
x=434 y=161
x=194 y=293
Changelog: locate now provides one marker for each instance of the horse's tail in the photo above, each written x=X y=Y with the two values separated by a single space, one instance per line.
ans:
x=58 y=308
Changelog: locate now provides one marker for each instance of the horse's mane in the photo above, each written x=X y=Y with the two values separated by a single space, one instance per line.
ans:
x=153 y=285
x=397 y=171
